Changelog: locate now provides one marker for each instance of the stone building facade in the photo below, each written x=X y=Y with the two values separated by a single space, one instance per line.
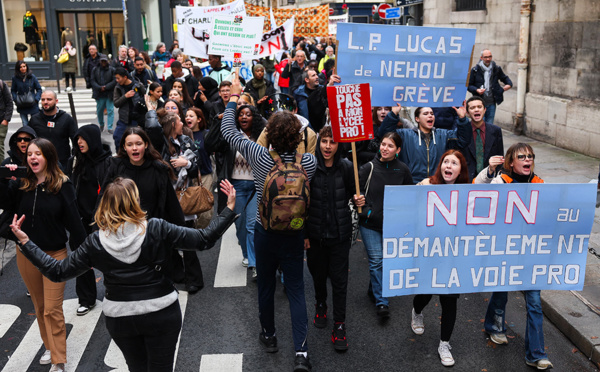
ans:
x=562 y=100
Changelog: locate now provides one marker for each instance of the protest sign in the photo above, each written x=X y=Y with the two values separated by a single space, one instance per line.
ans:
x=413 y=66
x=334 y=20
x=483 y=238
x=278 y=39
x=195 y=24
x=236 y=34
x=310 y=21
x=350 y=112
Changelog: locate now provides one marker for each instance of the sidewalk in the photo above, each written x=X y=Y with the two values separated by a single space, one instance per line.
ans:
x=576 y=314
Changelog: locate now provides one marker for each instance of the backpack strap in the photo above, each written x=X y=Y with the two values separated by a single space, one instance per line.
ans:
x=275 y=157
x=299 y=157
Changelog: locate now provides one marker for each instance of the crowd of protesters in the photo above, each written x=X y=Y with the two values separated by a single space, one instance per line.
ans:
x=189 y=129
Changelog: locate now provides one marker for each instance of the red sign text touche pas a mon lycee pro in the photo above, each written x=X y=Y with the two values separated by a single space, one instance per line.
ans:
x=350 y=112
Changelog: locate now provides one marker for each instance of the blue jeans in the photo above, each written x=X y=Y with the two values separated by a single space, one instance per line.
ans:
x=105 y=103
x=244 y=225
x=534 y=333
x=490 y=113
x=25 y=119
x=373 y=242
x=285 y=251
x=118 y=133
x=285 y=90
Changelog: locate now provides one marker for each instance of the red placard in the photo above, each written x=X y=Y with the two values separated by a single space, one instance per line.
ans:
x=350 y=112
x=237 y=59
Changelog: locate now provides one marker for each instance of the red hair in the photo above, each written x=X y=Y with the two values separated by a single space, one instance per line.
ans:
x=463 y=176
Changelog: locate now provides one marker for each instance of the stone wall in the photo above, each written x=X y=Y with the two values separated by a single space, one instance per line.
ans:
x=562 y=105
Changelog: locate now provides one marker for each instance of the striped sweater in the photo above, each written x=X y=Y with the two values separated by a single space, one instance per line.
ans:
x=257 y=156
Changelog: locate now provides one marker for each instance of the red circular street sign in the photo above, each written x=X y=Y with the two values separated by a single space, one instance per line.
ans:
x=381 y=9
x=374 y=9
x=330 y=11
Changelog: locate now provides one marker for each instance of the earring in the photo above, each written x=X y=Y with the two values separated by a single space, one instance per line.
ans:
x=396 y=156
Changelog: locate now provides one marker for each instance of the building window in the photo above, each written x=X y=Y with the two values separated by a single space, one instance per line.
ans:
x=466 y=5
x=26 y=29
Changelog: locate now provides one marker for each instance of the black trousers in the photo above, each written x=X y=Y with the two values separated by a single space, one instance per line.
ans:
x=69 y=75
x=448 y=312
x=147 y=341
x=329 y=259
x=85 y=285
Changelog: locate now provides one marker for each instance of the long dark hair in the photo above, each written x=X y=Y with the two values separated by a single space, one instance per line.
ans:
x=185 y=94
x=258 y=123
x=150 y=154
x=54 y=176
x=463 y=177
x=18 y=72
x=179 y=108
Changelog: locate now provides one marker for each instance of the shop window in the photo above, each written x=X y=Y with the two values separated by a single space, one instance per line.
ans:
x=467 y=5
x=26 y=30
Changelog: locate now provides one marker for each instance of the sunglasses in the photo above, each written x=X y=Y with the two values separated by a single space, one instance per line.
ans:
x=528 y=156
x=23 y=139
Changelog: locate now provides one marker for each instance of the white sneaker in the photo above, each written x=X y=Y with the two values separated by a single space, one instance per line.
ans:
x=254 y=274
x=245 y=262
x=60 y=367
x=45 y=359
x=445 y=354
x=540 y=364
x=417 y=323
x=499 y=338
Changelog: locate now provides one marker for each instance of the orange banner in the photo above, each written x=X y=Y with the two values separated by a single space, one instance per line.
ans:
x=310 y=21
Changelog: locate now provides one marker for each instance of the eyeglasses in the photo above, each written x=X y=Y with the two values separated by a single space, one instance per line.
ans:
x=528 y=156
x=23 y=139
x=171 y=108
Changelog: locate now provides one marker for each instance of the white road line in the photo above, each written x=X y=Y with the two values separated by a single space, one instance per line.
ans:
x=114 y=357
x=221 y=363
x=230 y=272
x=8 y=315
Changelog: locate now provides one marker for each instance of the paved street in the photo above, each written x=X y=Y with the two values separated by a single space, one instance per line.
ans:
x=220 y=327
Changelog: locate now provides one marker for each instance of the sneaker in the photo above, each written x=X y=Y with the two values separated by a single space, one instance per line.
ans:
x=111 y=131
x=416 y=323
x=320 y=319
x=338 y=337
x=270 y=343
x=383 y=311
x=245 y=262
x=254 y=274
x=60 y=367
x=540 y=364
x=498 y=338
x=101 y=127
x=82 y=309
x=27 y=294
x=301 y=364
x=45 y=359
x=445 y=354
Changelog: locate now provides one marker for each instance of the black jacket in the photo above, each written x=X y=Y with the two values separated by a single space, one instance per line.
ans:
x=157 y=195
x=6 y=102
x=14 y=154
x=330 y=190
x=142 y=279
x=294 y=72
x=103 y=77
x=393 y=172
x=48 y=216
x=59 y=129
x=190 y=82
x=249 y=88
x=477 y=80
x=128 y=106
x=88 y=66
x=144 y=76
x=87 y=171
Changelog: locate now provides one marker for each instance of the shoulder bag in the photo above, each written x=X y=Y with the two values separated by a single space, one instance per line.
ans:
x=25 y=100
x=194 y=199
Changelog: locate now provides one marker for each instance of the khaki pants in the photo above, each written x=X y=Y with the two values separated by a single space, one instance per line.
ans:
x=47 y=298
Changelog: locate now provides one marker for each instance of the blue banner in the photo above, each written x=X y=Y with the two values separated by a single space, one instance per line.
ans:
x=483 y=238
x=413 y=66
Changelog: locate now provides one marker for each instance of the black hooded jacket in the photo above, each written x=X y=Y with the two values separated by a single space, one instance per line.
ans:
x=59 y=129
x=14 y=154
x=330 y=190
x=87 y=171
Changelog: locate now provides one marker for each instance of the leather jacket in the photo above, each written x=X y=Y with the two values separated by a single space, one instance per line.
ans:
x=143 y=279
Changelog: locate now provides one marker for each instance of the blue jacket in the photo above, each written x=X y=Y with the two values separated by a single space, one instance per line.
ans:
x=21 y=87
x=422 y=159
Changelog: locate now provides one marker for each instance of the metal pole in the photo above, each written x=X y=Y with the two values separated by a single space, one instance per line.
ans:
x=72 y=104
x=523 y=64
x=57 y=73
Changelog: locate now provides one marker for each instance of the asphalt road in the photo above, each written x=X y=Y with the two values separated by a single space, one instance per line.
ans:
x=224 y=320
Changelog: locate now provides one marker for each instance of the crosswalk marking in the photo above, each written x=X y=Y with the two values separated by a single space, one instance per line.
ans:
x=8 y=315
x=221 y=363
x=230 y=272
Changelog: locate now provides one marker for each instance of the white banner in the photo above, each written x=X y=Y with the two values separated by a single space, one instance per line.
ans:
x=194 y=23
x=236 y=35
x=334 y=20
x=278 y=39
